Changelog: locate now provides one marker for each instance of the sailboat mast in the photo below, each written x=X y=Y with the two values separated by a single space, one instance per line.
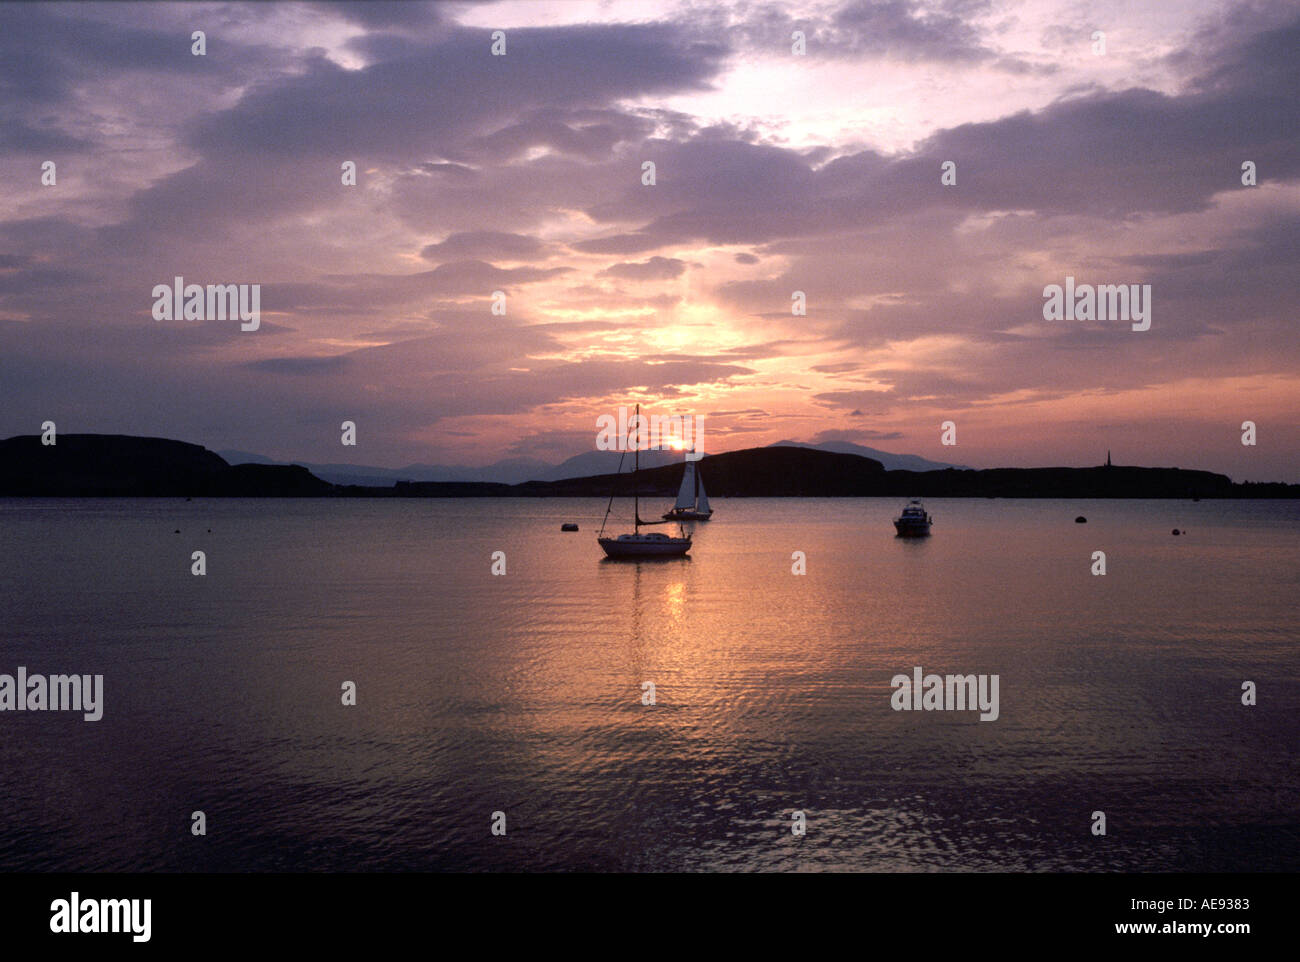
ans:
x=696 y=473
x=636 y=483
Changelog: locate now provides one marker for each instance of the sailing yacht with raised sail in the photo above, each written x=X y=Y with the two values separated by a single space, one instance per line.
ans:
x=692 y=502
x=636 y=544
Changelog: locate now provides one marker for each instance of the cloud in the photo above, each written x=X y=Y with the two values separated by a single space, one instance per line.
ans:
x=485 y=245
x=476 y=173
x=904 y=28
x=862 y=29
x=301 y=365
x=655 y=269
x=448 y=93
x=585 y=134
x=619 y=244
x=383 y=15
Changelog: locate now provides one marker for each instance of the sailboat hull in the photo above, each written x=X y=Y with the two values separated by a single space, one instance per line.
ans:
x=676 y=515
x=645 y=546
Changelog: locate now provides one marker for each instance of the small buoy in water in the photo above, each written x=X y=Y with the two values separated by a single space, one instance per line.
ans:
x=1177 y=532
x=568 y=526
x=1080 y=520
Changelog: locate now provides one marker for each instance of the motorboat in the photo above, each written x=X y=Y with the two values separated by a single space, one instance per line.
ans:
x=913 y=522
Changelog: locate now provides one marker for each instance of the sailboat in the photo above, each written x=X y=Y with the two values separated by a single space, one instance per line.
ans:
x=636 y=544
x=692 y=502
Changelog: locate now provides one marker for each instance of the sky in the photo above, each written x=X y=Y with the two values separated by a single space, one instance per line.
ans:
x=775 y=172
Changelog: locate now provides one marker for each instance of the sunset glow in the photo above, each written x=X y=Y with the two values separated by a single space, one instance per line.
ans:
x=776 y=173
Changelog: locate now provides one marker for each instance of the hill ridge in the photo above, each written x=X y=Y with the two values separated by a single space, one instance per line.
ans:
x=118 y=465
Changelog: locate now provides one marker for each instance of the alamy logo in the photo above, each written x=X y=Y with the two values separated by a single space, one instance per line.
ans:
x=1106 y=302
x=642 y=432
x=83 y=693
x=946 y=693
x=216 y=302
x=72 y=916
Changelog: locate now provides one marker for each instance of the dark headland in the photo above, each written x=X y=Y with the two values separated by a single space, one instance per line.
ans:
x=110 y=465
x=107 y=465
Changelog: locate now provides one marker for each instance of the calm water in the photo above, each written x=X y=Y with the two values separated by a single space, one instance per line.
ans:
x=522 y=693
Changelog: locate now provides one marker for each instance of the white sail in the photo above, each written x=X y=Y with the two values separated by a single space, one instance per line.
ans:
x=686 y=493
x=703 y=507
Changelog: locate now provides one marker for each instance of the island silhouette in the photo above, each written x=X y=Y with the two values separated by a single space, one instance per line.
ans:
x=114 y=465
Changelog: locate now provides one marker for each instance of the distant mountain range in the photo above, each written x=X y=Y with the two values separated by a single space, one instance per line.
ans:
x=891 y=462
x=587 y=464
x=101 y=465
x=508 y=471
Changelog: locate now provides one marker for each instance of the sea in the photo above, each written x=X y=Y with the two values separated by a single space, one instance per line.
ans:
x=459 y=686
